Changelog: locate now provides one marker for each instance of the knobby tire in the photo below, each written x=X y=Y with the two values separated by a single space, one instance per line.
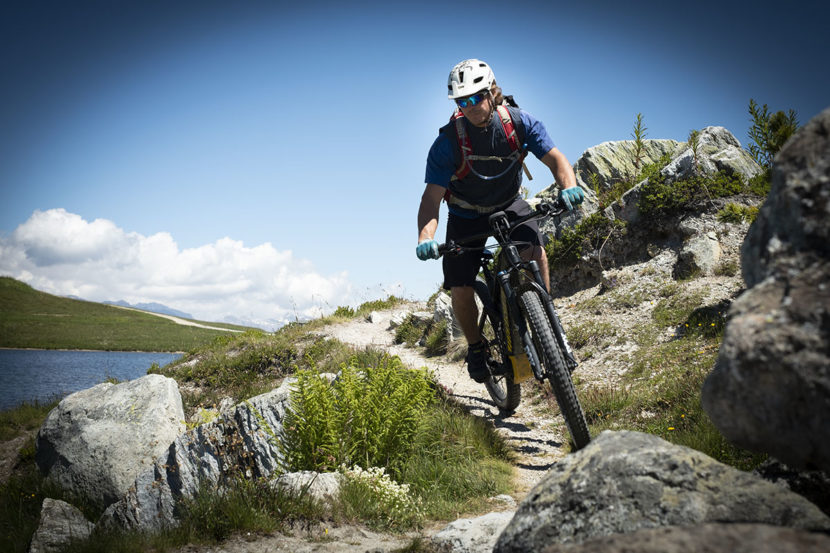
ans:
x=555 y=369
x=505 y=393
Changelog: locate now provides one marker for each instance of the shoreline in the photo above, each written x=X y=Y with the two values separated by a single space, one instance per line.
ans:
x=84 y=349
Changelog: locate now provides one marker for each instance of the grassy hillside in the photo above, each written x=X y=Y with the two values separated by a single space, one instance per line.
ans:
x=33 y=319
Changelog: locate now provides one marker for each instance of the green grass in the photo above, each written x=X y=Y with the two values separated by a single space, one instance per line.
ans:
x=660 y=392
x=23 y=493
x=33 y=319
x=235 y=365
x=26 y=417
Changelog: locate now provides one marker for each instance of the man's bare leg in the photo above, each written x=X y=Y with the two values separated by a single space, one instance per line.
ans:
x=466 y=311
x=539 y=256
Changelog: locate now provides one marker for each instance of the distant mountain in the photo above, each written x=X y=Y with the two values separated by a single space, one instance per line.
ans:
x=152 y=307
x=269 y=325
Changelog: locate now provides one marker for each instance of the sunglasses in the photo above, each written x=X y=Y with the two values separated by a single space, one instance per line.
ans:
x=471 y=100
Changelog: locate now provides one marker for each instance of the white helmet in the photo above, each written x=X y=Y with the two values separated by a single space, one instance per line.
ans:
x=469 y=77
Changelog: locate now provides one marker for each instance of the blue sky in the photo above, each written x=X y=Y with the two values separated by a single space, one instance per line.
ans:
x=263 y=161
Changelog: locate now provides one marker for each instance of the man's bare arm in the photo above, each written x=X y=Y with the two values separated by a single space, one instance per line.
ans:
x=428 y=211
x=561 y=169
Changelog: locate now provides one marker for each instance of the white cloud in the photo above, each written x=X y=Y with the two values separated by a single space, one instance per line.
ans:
x=61 y=253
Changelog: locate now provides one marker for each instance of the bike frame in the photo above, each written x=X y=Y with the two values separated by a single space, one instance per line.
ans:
x=515 y=265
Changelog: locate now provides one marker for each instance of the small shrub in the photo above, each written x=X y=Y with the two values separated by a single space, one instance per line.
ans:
x=344 y=311
x=377 y=305
x=588 y=235
x=437 y=338
x=727 y=268
x=760 y=184
x=769 y=132
x=410 y=331
x=659 y=198
x=651 y=169
x=736 y=213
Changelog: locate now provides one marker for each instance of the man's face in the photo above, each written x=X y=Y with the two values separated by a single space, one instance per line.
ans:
x=476 y=108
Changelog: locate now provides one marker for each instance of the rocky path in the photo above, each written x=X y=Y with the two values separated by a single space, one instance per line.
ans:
x=179 y=320
x=534 y=431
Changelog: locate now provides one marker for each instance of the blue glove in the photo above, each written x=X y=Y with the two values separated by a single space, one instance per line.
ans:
x=428 y=249
x=571 y=197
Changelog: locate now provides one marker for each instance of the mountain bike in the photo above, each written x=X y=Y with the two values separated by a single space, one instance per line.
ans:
x=519 y=323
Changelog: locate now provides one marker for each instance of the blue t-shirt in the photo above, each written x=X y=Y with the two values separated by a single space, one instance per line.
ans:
x=441 y=164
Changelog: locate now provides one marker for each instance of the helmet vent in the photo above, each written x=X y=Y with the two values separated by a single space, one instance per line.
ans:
x=478 y=79
x=461 y=76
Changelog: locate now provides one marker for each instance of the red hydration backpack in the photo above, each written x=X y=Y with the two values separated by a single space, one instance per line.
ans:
x=466 y=147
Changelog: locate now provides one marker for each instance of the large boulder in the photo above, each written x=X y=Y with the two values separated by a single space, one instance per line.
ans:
x=243 y=442
x=627 y=481
x=706 y=538
x=611 y=162
x=717 y=150
x=770 y=389
x=96 y=441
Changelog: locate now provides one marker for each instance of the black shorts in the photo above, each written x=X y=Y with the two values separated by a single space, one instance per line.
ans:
x=461 y=270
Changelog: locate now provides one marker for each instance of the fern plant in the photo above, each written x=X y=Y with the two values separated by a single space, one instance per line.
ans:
x=365 y=417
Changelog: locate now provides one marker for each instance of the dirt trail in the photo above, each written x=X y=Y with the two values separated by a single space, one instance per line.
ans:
x=533 y=431
x=178 y=320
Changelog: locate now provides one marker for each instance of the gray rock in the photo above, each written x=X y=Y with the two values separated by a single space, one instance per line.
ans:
x=60 y=524
x=613 y=162
x=471 y=535
x=770 y=389
x=792 y=230
x=398 y=318
x=321 y=486
x=422 y=318
x=705 y=538
x=245 y=443
x=444 y=313
x=699 y=255
x=627 y=481
x=375 y=318
x=505 y=500
x=82 y=447
x=718 y=150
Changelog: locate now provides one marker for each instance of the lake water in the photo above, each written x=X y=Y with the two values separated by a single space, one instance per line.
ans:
x=28 y=375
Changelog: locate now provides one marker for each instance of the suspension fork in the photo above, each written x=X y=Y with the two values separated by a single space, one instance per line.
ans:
x=555 y=323
x=516 y=320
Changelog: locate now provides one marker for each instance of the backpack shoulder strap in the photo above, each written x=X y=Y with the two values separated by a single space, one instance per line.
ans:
x=464 y=144
x=509 y=129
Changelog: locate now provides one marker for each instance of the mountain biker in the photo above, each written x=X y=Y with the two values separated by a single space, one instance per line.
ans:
x=474 y=188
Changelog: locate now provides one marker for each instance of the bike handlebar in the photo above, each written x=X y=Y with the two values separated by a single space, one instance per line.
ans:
x=544 y=209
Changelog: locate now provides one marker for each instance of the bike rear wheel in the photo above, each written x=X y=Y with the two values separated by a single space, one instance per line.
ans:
x=555 y=370
x=504 y=392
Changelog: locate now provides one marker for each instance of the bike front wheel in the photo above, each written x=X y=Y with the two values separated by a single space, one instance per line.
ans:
x=555 y=370
x=504 y=392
